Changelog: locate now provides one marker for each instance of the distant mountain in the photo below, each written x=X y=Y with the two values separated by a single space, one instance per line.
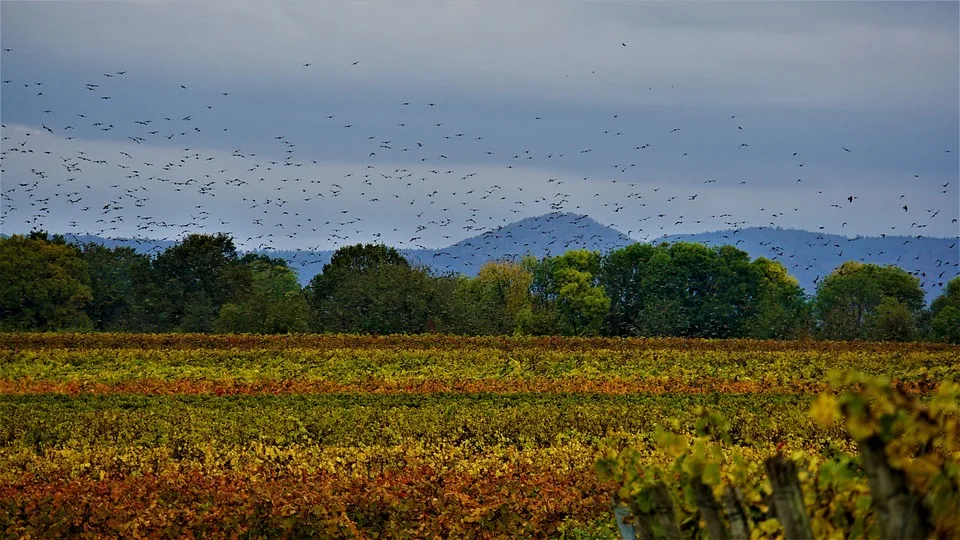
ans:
x=551 y=233
x=807 y=255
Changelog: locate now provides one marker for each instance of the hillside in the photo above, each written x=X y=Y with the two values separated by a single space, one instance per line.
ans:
x=551 y=234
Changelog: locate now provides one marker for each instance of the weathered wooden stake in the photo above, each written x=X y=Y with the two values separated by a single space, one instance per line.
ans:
x=661 y=522
x=709 y=509
x=664 y=513
x=788 y=497
x=736 y=517
x=900 y=512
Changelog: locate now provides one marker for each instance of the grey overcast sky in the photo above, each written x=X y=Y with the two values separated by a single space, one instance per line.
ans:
x=314 y=124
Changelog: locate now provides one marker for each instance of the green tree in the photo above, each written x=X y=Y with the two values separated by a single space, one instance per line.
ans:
x=347 y=263
x=623 y=273
x=118 y=279
x=891 y=321
x=687 y=289
x=945 y=313
x=194 y=279
x=275 y=304
x=373 y=289
x=781 y=309
x=719 y=290
x=543 y=317
x=362 y=257
x=848 y=297
x=498 y=298
x=44 y=284
x=568 y=285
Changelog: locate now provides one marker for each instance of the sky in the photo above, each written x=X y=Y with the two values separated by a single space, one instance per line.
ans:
x=317 y=124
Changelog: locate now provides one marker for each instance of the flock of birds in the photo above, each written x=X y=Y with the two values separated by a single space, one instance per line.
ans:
x=276 y=196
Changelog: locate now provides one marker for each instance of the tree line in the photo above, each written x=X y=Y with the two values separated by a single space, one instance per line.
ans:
x=204 y=284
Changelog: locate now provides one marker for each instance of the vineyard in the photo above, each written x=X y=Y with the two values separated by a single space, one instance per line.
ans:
x=426 y=436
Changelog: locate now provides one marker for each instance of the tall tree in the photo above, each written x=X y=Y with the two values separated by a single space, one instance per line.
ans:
x=891 y=320
x=498 y=298
x=687 y=289
x=44 y=284
x=569 y=284
x=781 y=309
x=373 y=289
x=719 y=288
x=622 y=274
x=646 y=294
x=945 y=313
x=274 y=304
x=194 y=279
x=362 y=257
x=848 y=298
x=118 y=278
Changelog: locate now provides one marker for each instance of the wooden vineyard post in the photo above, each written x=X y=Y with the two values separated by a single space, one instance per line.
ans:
x=901 y=513
x=736 y=517
x=661 y=522
x=709 y=510
x=788 y=497
x=664 y=513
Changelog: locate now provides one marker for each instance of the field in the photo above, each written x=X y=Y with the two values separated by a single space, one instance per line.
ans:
x=399 y=436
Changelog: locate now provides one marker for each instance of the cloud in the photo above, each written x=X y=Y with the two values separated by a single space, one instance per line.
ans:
x=806 y=77
x=815 y=54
